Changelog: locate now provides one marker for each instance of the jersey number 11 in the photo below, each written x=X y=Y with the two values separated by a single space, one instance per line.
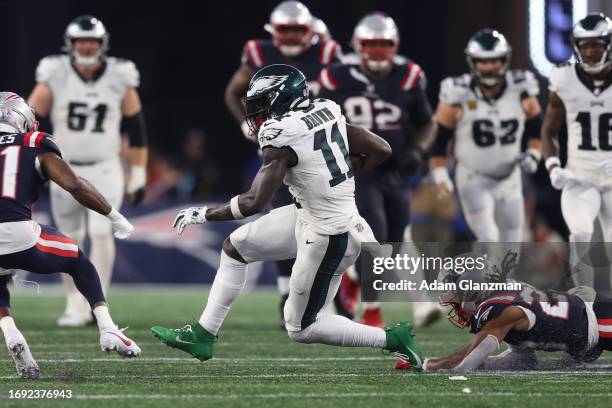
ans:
x=320 y=143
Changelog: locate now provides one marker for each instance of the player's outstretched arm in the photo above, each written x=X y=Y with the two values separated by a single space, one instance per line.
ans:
x=553 y=121
x=41 y=99
x=484 y=343
x=133 y=123
x=373 y=149
x=236 y=90
x=266 y=182
x=58 y=171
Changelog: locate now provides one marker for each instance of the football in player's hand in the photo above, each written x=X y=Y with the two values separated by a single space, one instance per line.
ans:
x=358 y=161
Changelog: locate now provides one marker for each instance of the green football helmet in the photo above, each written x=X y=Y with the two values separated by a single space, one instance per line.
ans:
x=273 y=91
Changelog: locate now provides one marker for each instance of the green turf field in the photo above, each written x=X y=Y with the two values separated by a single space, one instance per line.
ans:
x=256 y=364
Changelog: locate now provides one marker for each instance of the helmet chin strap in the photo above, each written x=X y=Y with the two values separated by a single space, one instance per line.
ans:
x=377 y=66
x=86 y=62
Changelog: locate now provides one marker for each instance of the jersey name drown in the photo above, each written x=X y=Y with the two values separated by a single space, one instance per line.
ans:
x=322 y=181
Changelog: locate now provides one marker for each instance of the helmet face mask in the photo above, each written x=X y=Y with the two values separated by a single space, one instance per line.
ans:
x=292 y=28
x=589 y=36
x=273 y=91
x=77 y=33
x=16 y=115
x=487 y=46
x=376 y=40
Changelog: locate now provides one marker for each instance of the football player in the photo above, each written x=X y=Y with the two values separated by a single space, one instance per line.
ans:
x=580 y=94
x=29 y=159
x=527 y=320
x=487 y=112
x=296 y=42
x=90 y=97
x=309 y=145
x=386 y=94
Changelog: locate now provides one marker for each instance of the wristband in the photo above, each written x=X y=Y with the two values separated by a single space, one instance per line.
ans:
x=235 y=209
x=535 y=153
x=552 y=162
x=114 y=215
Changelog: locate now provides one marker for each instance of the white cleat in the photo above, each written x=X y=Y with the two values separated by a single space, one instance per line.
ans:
x=113 y=339
x=74 y=320
x=425 y=313
x=25 y=364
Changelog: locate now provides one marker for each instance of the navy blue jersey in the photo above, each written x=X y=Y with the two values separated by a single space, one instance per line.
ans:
x=259 y=53
x=20 y=174
x=393 y=107
x=559 y=320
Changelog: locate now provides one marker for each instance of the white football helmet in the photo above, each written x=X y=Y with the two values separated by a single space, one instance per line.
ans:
x=488 y=44
x=320 y=29
x=594 y=27
x=85 y=27
x=376 y=40
x=16 y=116
x=291 y=26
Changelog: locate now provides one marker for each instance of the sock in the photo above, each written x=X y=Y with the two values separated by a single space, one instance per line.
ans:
x=87 y=281
x=7 y=324
x=75 y=302
x=371 y=305
x=336 y=330
x=283 y=285
x=103 y=317
x=102 y=255
x=229 y=282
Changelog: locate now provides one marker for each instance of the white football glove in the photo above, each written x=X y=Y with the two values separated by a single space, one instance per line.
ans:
x=606 y=167
x=560 y=177
x=529 y=160
x=191 y=215
x=122 y=229
x=441 y=178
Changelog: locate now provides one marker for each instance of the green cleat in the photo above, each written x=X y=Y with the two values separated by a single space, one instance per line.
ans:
x=192 y=339
x=400 y=343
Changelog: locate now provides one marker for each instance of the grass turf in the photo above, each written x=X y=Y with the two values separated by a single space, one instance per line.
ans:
x=256 y=363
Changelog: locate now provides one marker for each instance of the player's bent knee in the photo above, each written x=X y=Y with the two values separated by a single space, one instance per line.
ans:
x=301 y=336
x=231 y=250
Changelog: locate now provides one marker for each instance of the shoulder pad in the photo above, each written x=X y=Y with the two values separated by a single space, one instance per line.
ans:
x=454 y=90
x=278 y=133
x=49 y=68
x=559 y=77
x=42 y=141
x=330 y=52
x=525 y=81
x=252 y=54
x=414 y=77
x=127 y=72
x=328 y=76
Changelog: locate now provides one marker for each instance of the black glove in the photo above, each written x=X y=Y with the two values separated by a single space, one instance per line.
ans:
x=411 y=161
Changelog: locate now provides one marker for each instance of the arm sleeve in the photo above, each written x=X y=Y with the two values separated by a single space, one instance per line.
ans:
x=136 y=129
x=47 y=144
x=47 y=69
x=251 y=55
x=479 y=355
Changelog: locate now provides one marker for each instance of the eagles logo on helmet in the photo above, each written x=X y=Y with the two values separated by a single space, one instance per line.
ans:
x=487 y=45
x=376 y=40
x=272 y=92
x=595 y=28
x=86 y=27
x=292 y=28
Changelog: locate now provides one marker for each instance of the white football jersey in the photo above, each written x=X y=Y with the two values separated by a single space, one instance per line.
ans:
x=488 y=135
x=588 y=114
x=86 y=115
x=322 y=181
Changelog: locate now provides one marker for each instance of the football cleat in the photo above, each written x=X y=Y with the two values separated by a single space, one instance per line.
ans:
x=25 y=364
x=192 y=339
x=113 y=339
x=401 y=344
x=372 y=317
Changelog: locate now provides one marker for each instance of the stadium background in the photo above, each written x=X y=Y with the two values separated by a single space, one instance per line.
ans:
x=186 y=53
